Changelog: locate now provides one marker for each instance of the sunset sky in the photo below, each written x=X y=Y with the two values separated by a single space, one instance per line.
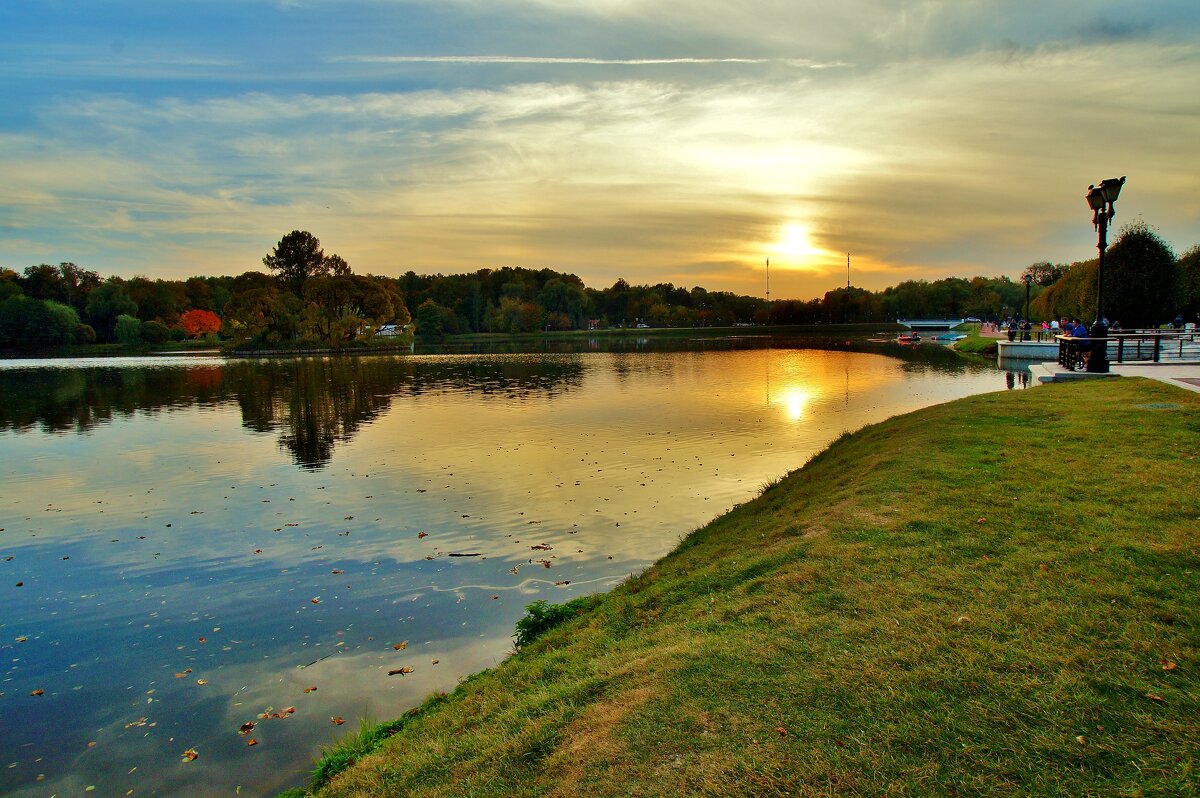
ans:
x=656 y=141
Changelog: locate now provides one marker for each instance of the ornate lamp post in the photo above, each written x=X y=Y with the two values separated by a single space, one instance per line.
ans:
x=1100 y=199
x=1028 y=283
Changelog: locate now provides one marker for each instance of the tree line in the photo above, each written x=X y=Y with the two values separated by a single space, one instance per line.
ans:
x=306 y=297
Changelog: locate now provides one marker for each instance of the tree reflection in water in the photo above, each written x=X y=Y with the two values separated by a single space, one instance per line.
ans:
x=312 y=403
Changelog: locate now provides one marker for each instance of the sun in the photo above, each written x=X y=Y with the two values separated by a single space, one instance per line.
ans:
x=794 y=242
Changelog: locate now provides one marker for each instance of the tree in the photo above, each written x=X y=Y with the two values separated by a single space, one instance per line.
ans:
x=1189 y=284
x=429 y=322
x=128 y=329
x=1140 y=278
x=346 y=308
x=198 y=323
x=298 y=256
x=105 y=303
x=155 y=332
x=1043 y=272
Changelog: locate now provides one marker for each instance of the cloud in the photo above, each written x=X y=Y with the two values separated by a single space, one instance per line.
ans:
x=956 y=142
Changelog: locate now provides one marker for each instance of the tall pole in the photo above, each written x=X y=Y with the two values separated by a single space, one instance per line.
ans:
x=1101 y=200
x=1102 y=244
x=768 y=290
x=847 y=271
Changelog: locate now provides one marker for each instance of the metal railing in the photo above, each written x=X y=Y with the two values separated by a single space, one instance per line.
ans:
x=1141 y=346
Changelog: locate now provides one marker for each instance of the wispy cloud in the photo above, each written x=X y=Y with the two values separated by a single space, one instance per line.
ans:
x=562 y=60
x=953 y=139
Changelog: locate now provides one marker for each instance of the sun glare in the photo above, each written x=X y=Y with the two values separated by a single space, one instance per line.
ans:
x=794 y=400
x=794 y=247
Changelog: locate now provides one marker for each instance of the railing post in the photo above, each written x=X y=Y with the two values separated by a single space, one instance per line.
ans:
x=1120 y=349
x=1157 y=346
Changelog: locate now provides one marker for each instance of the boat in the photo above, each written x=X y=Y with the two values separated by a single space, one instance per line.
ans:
x=949 y=337
x=909 y=338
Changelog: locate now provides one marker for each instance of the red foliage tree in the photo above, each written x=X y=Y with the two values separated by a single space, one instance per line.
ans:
x=200 y=322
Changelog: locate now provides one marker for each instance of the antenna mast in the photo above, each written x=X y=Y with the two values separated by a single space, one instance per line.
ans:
x=768 y=284
x=847 y=271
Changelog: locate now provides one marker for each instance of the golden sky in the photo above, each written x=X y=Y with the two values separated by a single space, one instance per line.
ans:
x=649 y=140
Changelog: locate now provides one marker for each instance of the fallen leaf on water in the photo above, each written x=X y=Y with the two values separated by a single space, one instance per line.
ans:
x=400 y=671
x=541 y=547
x=337 y=571
x=289 y=711
x=422 y=534
x=202 y=681
x=203 y=640
x=22 y=639
x=316 y=600
x=246 y=727
x=190 y=755
x=39 y=691
x=337 y=720
x=435 y=662
x=1168 y=665
x=310 y=689
x=563 y=582
x=252 y=741
x=401 y=646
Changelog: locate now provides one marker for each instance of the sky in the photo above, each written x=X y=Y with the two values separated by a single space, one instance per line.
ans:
x=682 y=141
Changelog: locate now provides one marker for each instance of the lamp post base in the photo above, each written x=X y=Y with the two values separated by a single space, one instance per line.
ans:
x=1098 y=358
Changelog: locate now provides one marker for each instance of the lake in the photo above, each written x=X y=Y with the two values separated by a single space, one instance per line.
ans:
x=188 y=544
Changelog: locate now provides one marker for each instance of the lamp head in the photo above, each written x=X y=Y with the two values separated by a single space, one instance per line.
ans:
x=1095 y=198
x=1111 y=188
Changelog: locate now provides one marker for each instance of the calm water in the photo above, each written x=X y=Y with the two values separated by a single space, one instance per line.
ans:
x=187 y=543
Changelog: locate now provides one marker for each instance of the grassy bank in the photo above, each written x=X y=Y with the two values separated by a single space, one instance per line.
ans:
x=997 y=596
x=974 y=343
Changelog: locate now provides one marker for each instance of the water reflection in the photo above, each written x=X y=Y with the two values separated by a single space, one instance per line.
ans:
x=169 y=573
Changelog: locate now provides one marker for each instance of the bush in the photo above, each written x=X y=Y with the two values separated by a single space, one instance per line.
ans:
x=541 y=616
x=128 y=329
x=178 y=334
x=84 y=334
x=155 y=332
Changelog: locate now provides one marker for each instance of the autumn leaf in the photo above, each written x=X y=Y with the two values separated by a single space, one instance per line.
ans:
x=401 y=671
x=289 y=711
x=401 y=646
x=246 y=727
x=316 y=600
x=190 y=754
x=203 y=640
x=252 y=741
x=337 y=720
x=541 y=547
x=1167 y=665
x=39 y=691
x=202 y=681
x=422 y=535
x=781 y=731
x=337 y=571
x=1156 y=698
x=310 y=690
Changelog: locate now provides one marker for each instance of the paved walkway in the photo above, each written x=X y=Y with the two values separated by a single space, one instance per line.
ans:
x=1181 y=375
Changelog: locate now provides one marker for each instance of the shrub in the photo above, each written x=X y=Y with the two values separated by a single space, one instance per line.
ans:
x=128 y=329
x=84 y=334
x=541 y=616
x=155 y=332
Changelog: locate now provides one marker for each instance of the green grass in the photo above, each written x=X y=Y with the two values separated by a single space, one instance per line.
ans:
x=917 y=612
x=974 y=343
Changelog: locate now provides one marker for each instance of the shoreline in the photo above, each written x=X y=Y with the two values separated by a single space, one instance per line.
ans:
x=901 y=612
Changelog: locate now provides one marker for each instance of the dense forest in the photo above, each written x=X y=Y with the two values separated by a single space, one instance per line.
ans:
x=308 y=298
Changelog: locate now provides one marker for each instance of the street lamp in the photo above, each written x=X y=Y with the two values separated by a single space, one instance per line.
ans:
x=1100 y=200
x=1028 y=283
